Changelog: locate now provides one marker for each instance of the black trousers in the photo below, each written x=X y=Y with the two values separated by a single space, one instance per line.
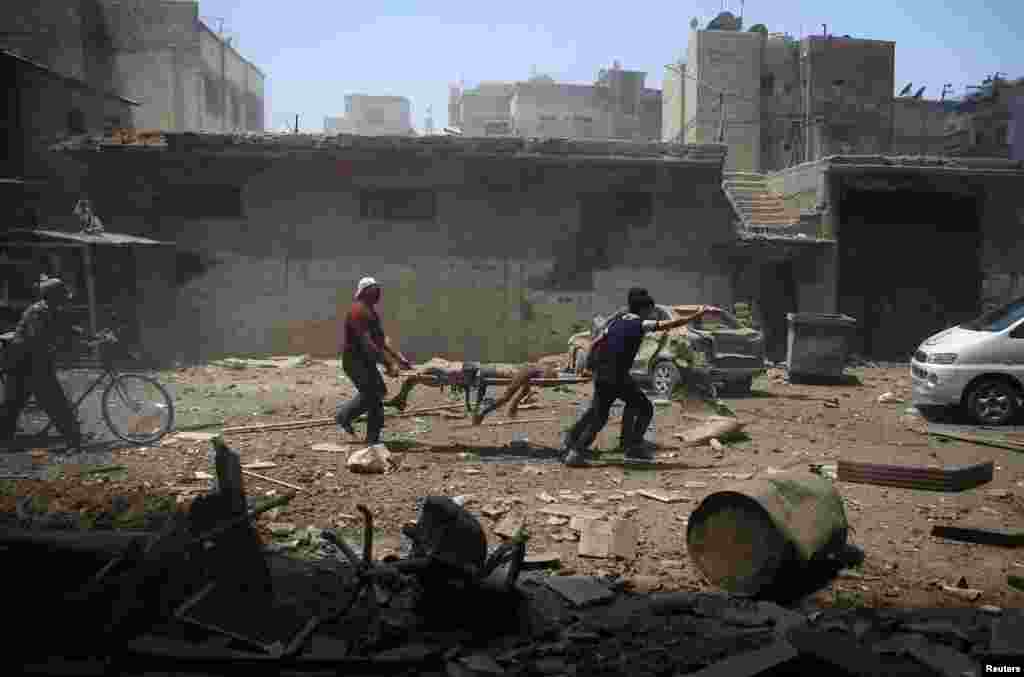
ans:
x=369 y=397
x=636 y=417
x=37 y=375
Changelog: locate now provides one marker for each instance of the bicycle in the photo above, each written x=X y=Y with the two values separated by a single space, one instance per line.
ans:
x=154 y=417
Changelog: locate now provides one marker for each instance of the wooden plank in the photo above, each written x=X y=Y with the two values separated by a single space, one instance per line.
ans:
x=1002 y=537
x=272 y=480
x=929 y=478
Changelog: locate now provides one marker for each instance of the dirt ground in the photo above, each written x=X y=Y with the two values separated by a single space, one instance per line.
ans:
x=502 y=469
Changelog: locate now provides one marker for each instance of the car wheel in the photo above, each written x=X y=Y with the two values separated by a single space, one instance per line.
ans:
x=992 y=401
x=665 y=377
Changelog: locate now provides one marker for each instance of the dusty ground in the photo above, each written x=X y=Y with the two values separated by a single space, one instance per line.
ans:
x=790 y=426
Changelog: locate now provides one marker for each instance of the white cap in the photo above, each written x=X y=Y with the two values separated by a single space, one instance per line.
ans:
x=363 y=284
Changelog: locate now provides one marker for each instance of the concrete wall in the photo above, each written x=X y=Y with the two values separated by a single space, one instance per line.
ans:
x=781 y=103
x=230 y=89
x=919 y=127
x=801 y=186
x=855 y=116
x=488 y=102
x=475 y=282
x=729 y=61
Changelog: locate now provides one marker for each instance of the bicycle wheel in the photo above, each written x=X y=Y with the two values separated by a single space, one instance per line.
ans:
x=137 y=408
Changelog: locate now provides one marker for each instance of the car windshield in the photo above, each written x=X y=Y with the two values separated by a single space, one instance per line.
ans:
x=998 y=319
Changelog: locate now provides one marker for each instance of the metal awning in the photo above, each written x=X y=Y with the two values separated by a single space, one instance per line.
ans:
x=26 y=236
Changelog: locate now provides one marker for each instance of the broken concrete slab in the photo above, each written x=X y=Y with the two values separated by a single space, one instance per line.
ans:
x=665 y=496
x=331 y=448
x=580 y=591
x=751 y=663
x=508 y=527
x=541 y=560
x=1008 y=635
x=944 y=660
x=259 y=465
x=1007 y=538
x=715 y=427
x=922 y=478
x=616 y=538
x=561 y=510
x=194 y=437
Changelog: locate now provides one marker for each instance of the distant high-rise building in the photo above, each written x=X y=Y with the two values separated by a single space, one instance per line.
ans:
x=373 y=116
x=616 y=106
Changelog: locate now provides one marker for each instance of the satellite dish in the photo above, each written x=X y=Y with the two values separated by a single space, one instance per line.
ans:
x=918 y=93
x=694 y=23
x=906 y=90
x=725 y=21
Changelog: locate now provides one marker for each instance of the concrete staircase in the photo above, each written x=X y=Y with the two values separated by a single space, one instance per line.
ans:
x=756 y=205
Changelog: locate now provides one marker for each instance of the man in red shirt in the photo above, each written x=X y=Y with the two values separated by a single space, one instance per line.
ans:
x=364 y=345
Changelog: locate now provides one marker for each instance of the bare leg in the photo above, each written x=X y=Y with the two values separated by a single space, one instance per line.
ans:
x=401 y=400
x=521 y=396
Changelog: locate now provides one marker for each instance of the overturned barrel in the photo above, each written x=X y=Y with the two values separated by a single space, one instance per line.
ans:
x=763 y=537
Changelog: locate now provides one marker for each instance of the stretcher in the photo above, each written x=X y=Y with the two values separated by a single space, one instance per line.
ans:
x=474 y=379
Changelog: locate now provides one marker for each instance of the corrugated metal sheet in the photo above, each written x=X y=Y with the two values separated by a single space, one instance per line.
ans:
x=104 y=238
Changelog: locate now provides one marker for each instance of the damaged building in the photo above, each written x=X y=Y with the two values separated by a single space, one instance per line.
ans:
x=488 y=249
x=923 y=243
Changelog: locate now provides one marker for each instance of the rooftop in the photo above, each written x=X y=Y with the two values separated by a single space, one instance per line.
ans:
x=272 y=144
x=912 y=163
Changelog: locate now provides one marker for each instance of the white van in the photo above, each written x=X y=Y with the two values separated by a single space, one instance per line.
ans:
x=978 y=365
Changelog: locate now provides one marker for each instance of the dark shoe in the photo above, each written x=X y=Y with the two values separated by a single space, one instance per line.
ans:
x=643 y=451
x=346 y=426
x=576 y=459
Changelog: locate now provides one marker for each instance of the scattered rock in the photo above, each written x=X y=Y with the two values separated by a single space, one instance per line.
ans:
x=259 y=465
x=642 y=584
x=375 y=459
x=695 y=485
x=331 y=448
x=664 y=496
x=508 y=527
x=493 y=511
x=716 y=445
x=200 y=475
x=482 y=663
x=555 y=521
x=543 y=560
x=546 y=497
x=889 y=398
x=968 y=594
x=617 y=538
x=714 y=427
x=580 y=591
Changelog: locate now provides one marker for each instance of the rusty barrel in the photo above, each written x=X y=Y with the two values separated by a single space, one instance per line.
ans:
x=756 y=534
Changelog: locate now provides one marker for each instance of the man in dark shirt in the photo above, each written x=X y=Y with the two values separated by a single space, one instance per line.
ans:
x=31 y=359
x=364 y=345
x=617 y=351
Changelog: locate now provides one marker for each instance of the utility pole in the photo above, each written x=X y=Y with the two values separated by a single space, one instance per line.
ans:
x=296 y=123
x=721 y=124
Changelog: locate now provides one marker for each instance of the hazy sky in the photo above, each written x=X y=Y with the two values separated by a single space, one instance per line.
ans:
x=313 y=52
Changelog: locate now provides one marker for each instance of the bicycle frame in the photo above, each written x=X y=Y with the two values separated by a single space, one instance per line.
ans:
x=104 y=375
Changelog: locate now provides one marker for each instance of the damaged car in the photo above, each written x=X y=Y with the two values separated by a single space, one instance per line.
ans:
x=977 y=366
x=716 y=345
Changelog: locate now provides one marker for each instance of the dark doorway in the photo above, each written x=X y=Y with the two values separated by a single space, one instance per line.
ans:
x=776 y=297
x=909 y=266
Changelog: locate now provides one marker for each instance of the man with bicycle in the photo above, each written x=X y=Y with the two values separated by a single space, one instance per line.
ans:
x=31 y=365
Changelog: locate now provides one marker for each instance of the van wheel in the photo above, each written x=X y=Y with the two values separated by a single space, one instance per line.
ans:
x=992 y=401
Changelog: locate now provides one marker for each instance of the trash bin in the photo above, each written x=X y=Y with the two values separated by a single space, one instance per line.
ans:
x=760 y=536
x=818 y=344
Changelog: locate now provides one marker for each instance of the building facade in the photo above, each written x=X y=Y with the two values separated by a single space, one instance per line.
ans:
x=616 y=106
x=488 y=249
x=984 y=123
x=373 y=116
x=159 y=53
